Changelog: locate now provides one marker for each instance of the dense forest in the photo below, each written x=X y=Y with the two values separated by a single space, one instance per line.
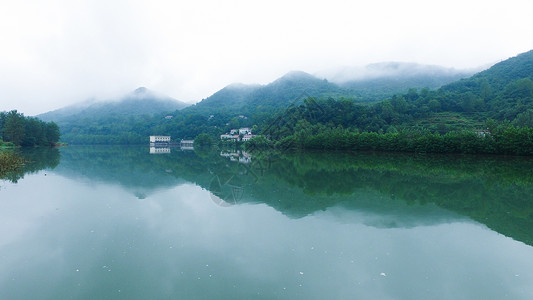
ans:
x=18 y=130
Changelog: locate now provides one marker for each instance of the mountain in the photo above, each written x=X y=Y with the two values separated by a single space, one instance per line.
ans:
x=250 y=99
x=235 y=92
x=294 y=85
x=380 y=81
x=139 y=102
x=123 y=121
x=503 y=92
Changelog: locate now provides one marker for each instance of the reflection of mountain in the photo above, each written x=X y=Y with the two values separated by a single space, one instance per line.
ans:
x=495 y=191
x=384 y=190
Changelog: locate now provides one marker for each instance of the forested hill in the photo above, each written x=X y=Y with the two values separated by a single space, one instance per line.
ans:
x=504 y=91
x=498 y=76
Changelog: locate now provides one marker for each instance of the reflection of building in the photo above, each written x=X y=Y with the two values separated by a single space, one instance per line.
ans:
x=245 y=158
x=159 y=150
x=240 y=156
x=159 y=140
x=229 y=137
x=187 y=144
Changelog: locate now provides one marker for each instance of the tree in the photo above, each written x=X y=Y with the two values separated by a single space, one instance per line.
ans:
x=13 y=130
x=52 y=133
x=203 y=140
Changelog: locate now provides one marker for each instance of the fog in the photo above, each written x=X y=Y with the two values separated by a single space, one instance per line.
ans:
x=60 y=52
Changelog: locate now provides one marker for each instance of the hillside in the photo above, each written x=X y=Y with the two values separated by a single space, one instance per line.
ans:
x=504 y=91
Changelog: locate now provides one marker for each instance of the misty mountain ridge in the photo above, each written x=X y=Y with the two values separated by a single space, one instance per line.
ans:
x=378 y=81
x=391 y=69
x=141 y=101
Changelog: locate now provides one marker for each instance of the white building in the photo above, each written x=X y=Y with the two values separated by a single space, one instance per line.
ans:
x=245 y=131
x=159 y=139
x=247 y=137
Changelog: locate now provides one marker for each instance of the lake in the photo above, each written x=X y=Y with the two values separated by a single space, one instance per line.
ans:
x=123 y=223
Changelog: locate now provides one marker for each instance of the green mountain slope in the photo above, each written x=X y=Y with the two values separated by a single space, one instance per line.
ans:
x=504 y=91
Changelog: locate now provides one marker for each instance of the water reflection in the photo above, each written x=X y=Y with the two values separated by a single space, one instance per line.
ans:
x=398 y=190
x=35 y=159
x=496 y=191
x=159 y=150
x=119 y=223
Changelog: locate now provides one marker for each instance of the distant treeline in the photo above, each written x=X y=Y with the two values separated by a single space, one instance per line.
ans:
x=19 y=130
x=497 y=139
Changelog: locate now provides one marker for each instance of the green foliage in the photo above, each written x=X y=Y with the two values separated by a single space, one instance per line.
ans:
x=27 y=131
x=258 y=143
x=203 y=140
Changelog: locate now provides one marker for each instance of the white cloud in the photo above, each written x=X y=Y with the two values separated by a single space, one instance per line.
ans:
x=59 y=52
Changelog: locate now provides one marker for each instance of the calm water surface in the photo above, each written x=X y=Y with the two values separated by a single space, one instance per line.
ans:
x=120 y=223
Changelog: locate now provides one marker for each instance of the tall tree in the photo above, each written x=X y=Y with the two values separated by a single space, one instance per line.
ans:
x=13 y=129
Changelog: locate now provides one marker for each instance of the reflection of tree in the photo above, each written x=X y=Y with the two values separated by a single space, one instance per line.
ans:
x=35 y=159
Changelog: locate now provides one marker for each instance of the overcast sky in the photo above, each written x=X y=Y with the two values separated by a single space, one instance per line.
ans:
x=58 y=52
